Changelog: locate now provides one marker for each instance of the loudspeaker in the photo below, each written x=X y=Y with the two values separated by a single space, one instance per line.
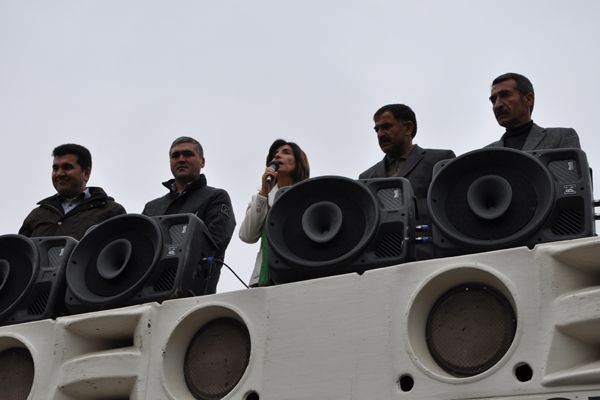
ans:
x=497 y=198
x=28 y=353
x=333 y=225
x=132 y=259
x=513 y=324
x=32 y=277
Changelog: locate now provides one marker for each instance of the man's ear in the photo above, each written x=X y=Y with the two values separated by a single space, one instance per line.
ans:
x=202 y=163
x=86 y=174
x=530 y=98
x=410 y=128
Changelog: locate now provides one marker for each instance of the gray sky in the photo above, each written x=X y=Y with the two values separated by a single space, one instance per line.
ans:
x=124 y=78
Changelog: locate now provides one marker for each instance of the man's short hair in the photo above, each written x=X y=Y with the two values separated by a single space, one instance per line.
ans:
x=187 y=139
x=524 y=85
x=401 y=112
x=84 y=157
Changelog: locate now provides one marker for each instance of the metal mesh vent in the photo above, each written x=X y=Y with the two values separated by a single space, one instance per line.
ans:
x=469 y=329
x=39 y=304
x=217 y=358
x=390 y=245
x=167 y=279
x=568 y=222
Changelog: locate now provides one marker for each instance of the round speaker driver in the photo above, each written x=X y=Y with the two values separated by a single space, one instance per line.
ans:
x=16 y=374
x=217 y=358
x=469 y=329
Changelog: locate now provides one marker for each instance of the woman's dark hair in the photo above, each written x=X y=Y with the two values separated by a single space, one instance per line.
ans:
x=302 y=170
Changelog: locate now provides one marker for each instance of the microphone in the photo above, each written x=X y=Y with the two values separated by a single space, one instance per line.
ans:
x=273 y=165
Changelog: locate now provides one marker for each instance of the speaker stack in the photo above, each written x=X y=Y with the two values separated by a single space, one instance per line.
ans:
x=507 y=324
x=499 y=198
x=333 y=225
x=32 y=274
x=132 y=259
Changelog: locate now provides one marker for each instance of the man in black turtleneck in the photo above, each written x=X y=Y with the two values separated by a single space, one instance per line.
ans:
x=512 y=101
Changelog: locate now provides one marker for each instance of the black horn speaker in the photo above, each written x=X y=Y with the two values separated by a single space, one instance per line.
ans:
x=333 y=225
x=498 y=198
x=132 y=259
x=32 y=282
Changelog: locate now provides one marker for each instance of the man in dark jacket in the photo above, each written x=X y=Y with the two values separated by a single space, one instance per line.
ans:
x=189 y=193
x=75 y=207
x=396 y=126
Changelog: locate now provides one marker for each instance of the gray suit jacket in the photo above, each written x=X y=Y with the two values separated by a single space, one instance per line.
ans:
x=546 y=138
x=418 y=170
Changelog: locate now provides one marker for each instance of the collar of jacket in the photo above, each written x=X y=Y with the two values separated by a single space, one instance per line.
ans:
x=195 y=184
x=55 y=200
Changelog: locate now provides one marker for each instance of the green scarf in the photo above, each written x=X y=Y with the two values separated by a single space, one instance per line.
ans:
x=263 y=279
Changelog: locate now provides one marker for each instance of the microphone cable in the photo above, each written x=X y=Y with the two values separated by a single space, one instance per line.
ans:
x=210 y=260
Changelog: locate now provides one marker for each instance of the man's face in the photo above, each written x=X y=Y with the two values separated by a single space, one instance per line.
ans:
x=395 y=137
x=186 y=163
x=68 y=178
x=511 y=108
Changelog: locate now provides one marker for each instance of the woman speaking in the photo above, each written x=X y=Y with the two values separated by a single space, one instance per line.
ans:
x=286 y=165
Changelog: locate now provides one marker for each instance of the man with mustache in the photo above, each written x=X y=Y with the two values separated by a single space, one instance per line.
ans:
x=189 y=193
x=75 y=207
x=512 y=100
x=396 y=126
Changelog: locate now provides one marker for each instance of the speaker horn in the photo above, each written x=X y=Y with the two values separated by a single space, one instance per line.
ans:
x=131 y=259
x=497 y=198
x=32 y=277
x=333 y=225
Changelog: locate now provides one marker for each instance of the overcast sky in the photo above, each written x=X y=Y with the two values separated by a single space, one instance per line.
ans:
x=124 y=78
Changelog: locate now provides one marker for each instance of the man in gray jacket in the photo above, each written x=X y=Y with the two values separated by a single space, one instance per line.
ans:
x=512 y=100
x=396 y=126
x=189 y=193
x=75 y=207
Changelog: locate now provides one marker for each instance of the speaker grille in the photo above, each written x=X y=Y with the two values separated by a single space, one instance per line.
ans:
x=570 y=221
x=167 y=279
x=390 y=245
x=469 y=329
x=16 y=374
x=40 y=303
x=217 y=358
